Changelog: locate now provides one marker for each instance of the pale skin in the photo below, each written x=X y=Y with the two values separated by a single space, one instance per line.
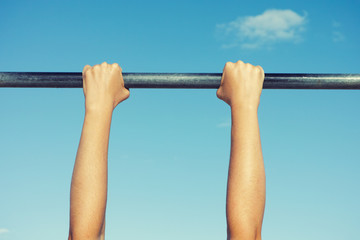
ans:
x=104 y=90
x=241 y=86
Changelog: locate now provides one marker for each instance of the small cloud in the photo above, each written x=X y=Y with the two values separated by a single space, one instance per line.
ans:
x=224 y=124
x=272 y=26
x=337 y=36
x=3 y=230
x=250 y=45
x=336 y=24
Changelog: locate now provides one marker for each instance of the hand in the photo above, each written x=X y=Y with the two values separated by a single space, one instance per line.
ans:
x=103 y=87
x=241 y=85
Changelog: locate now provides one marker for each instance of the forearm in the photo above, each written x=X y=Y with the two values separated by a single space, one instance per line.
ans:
x=89 y=181
x=246 y=181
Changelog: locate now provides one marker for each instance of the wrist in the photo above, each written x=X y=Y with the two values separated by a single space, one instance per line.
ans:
x=244 y=107
x=98 y=106
x=99 y=112
x=243 y=115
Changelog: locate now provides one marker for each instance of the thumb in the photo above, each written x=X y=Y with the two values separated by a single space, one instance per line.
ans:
x=87 y=67
x=219 y=93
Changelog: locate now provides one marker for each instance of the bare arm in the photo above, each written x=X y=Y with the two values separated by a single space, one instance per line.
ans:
x=103 y=89
x=241 y=87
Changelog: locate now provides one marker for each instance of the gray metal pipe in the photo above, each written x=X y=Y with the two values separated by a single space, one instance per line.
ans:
x=180 y=80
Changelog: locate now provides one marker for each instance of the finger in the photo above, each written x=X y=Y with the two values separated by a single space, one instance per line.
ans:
x=97 y=67
x=116 y=66
x=227 y=65
x=87 y=67
x=222 y=78
x=248 y=66
x=261 y=70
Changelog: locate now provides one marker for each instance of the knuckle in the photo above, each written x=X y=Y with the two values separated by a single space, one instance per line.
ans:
x=116 y=66
x=228 y=64
x=86 y=68
x=87 y=73
x=260 y=69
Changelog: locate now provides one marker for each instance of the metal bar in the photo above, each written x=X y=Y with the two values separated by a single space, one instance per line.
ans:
x=180 y=80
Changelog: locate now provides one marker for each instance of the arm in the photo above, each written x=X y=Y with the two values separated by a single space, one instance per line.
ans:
x=241 y=87
x=103 y=89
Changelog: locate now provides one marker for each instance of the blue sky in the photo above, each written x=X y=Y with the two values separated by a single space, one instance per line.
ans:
x=169 y=149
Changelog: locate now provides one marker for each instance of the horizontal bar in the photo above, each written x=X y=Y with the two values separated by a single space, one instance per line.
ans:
x=180 y=80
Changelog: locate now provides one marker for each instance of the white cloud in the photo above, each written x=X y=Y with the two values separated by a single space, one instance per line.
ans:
x=337 y=36
x=336 y=24
x=272 y=26
x=3 y=230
